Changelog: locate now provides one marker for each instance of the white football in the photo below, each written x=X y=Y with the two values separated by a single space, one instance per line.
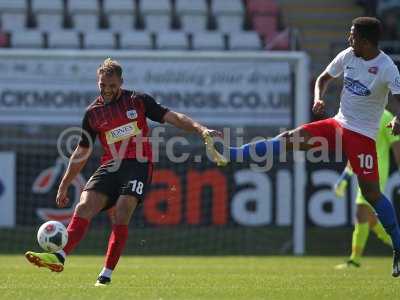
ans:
x=52 y=236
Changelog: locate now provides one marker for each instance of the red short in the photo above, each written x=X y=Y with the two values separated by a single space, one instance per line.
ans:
x=359 y=149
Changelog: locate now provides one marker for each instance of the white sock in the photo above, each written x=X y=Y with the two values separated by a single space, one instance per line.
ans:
x=106 y=272
x=62 y=253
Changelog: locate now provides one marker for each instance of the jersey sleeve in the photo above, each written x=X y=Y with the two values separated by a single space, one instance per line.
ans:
x=154 y=110
x=392 y=77
x=88 y=135
x=336 y=67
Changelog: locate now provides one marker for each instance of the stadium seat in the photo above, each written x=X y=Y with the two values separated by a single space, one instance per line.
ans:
x=136 y=40
x=49 y=22
x=245 y=41
x=49 y=14
x=265 y=25
x=230 y=23
x=157 y=22
x=85 y=14
x=27 y=39
x=173 y=40
x=262 y=7
x=194 y=23
x=191 y=7
x=99 y=40
x=19 y=6
x=66 y=39
x=208 y=41
x=227 y=7
x=13 y=14
x=121 y=22
x=55 y=6
x=120 y=14
x=85 y=22
x=119 y=6
x=13 y=21
x=83 y=6
x=155 y=7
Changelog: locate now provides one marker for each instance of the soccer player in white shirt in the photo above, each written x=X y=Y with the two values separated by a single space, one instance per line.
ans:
x=369 y=75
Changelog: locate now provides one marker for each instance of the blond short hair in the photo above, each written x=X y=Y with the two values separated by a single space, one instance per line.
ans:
x=110 y=67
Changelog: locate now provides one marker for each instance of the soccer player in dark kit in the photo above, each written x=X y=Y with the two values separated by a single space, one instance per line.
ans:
x=119 y=118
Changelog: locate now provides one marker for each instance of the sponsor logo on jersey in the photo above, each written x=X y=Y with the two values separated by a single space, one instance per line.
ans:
x=355 y=87
x=349 y=68
x=131 y=114
x=122 y=132
x=373 y=70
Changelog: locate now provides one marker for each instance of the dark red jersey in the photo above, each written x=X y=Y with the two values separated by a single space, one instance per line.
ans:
x=121 y=125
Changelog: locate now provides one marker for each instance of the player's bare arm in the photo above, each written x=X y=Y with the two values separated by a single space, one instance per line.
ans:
x=76 y=163
x=319 y=90
x=395 y=123
x=184 y=122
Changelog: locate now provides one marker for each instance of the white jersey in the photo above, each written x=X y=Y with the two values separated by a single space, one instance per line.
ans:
x=366 y=86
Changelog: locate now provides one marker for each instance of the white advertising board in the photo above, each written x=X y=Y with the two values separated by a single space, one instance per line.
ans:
x=218 y=89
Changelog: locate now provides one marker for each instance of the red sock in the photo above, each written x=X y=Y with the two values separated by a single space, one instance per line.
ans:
x=116 y=244
x=76 y=230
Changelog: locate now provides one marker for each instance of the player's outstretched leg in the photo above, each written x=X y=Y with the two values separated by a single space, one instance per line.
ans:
x=55 y=261
x=296 y=139
x=90 y=204
x=51 y=261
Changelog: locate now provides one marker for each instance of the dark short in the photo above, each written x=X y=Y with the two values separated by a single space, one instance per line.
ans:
x=131 y=177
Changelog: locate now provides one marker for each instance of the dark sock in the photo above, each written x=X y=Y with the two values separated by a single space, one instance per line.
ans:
x=387 y=216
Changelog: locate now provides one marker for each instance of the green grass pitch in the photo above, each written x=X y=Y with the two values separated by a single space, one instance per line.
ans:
x=225 y=277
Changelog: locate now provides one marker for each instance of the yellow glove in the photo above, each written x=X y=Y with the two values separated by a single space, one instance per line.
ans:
x=217 y=157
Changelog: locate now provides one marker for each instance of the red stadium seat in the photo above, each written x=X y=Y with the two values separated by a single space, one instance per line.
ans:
x=265 y=25
x=262 y=7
